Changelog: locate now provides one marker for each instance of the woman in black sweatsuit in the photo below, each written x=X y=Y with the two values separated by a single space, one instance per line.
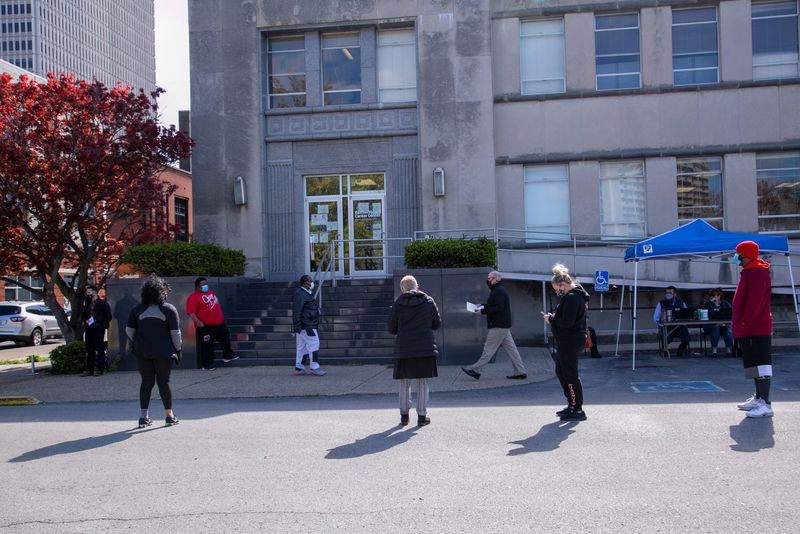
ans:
x=155 y=333
x=568 y=322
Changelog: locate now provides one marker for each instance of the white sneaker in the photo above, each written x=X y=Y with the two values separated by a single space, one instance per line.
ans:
x=749 y=404
x=318 y=371
x=761 y=410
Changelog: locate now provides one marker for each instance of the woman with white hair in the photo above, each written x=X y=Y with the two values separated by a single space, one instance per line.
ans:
x=413 y=319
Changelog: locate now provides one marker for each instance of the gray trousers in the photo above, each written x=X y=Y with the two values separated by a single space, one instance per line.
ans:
x=496 y=338
x=423 y=392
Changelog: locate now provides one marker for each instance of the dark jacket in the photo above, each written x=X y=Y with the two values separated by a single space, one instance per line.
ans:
x=710 y=305
x=413 y=319
x=751 y=302
x=154 y=331
x=305 y=313
x=569 y=321
x=498 y=308
x=101 y=312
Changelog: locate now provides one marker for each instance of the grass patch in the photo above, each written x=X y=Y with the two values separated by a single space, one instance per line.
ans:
x=25 y=360
x=18 y=401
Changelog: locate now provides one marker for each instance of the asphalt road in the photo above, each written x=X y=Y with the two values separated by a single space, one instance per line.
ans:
x=10 y=351
x=491 y=461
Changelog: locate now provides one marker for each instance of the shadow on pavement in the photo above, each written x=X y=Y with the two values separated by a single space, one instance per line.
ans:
x=79 y=445
x=372 y=444
x=548 y=438
x=752 y=435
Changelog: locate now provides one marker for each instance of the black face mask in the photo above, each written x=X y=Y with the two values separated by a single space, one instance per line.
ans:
x=489 y=284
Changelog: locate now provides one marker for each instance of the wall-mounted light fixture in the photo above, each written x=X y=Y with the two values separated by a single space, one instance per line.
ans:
x=239 y=191
x=438 y=182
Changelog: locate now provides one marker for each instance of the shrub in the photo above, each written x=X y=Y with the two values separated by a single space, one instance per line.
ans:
x=451 y=253
x=68 y=359
x=186 y=259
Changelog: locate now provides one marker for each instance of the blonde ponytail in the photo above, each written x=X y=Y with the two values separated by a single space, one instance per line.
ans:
x=561 y=275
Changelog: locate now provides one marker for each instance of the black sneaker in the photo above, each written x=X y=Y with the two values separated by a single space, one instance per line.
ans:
x=403 y=419
x=473 y=374
x=145 y=421
x=171 y=420
x=228 y=360
x=523 y=376
x=574 y=415
x=565 y=411
x=423 y=420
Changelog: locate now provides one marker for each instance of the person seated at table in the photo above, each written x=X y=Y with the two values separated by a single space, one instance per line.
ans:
x=671 y=302
x=714 y=331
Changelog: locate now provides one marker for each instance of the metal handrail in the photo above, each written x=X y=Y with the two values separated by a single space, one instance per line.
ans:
x=328 y=256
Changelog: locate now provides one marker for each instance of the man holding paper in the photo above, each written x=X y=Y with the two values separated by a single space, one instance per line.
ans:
x=498 y=317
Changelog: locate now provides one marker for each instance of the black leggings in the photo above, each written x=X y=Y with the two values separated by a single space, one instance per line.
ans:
x=567 y=351
x=155 y=370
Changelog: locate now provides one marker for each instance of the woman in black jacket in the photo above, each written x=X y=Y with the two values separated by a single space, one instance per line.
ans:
x=413 y=319
x=155 y=334
x=568 y=322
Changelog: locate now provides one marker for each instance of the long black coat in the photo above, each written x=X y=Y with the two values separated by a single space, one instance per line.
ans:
x=413 y=319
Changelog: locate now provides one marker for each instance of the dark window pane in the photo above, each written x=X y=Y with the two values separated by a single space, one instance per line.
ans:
x=350 y=97
x=617 y=64
x=682 y=16
x=617 y=42
x=775 y=35
x=776 y=9
x=630 y=81
x=287 y=84
x=695 y=61
x=341 y=68
x=697 y=38
x=294 y=101
x=616 y=21
x=288 y=43
x=695 y=77
x=287 y=63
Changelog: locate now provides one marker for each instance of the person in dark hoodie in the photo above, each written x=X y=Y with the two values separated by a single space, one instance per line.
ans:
x=752 y=326
x=568 y=322
x=155 y=334
x=413 y=319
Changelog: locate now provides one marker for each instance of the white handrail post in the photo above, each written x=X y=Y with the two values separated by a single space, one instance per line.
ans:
x=794 y=293
x=635 y=296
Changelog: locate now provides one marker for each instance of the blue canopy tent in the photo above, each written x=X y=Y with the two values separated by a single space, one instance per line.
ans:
x=701 y=240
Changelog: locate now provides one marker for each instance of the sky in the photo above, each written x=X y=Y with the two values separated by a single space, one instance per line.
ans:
x=172 y=58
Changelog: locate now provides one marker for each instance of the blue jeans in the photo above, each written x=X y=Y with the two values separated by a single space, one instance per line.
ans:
x=714 y=333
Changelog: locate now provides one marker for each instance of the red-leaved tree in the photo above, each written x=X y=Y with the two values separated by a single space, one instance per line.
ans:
x=79 y=166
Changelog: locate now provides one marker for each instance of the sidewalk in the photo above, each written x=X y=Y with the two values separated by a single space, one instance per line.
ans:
x=260 y=381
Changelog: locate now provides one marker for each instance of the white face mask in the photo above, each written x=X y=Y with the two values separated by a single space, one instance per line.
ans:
x=311 y=287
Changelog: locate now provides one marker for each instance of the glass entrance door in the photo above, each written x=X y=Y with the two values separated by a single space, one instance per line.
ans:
x=324 y=218
x=366 y=236
x=345 y=213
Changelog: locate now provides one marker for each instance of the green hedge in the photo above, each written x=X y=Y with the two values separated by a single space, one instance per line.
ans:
x=68 y=359
x=451 y=253
x=186 y=259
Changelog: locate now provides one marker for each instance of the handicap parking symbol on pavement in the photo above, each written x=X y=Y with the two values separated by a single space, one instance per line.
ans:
x=675 y=387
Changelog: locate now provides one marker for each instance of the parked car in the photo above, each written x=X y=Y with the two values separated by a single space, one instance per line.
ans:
x=27 y=323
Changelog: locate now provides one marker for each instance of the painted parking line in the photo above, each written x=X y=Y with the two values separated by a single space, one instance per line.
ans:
x=675 y=387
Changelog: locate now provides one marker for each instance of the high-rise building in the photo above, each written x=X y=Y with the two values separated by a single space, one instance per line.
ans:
x=108 y=40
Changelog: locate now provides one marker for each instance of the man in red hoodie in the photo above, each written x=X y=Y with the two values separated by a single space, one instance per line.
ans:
x=752 y=326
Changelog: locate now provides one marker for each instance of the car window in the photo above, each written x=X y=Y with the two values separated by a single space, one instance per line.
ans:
x=46 y=311
x=9 y=310
x=34 y=310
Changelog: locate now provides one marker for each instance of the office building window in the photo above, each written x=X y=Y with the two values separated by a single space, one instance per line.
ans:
x=700 y=190
x=341 y=69
x=546 y=203
x=778 y=185
x=775 y=43
x=397 y=66
x=622 y=202
x=542 y=56
x=182 y=218
x=694 y=46
x=287 y=72
x=616 y=42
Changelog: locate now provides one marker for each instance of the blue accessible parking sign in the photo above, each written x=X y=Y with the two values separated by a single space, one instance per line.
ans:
x=601 y=281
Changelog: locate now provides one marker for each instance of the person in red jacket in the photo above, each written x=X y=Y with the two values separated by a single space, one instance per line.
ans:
x=752 y=326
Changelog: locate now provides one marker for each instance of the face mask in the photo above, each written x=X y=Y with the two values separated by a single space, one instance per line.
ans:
x=311 y=286
x=669 y=295
x=489 y=284
x=204 y=288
